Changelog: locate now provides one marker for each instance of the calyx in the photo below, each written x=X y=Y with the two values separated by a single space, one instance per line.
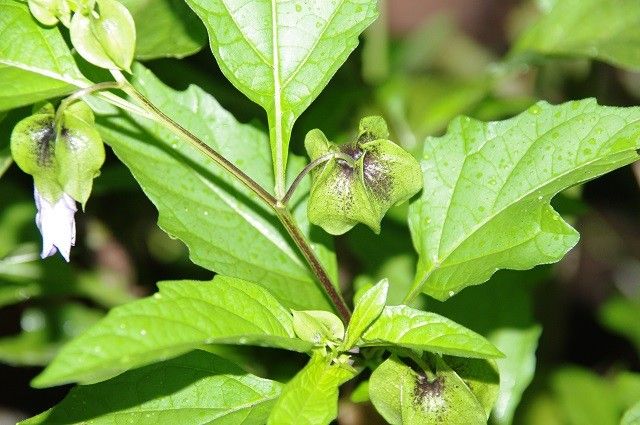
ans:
x=380 y=175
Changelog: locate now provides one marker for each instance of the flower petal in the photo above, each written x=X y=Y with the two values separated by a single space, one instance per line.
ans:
x=56 y=224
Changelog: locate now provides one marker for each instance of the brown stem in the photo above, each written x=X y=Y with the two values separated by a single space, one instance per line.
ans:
x=278 y=207
x=204 y=148
x=316 y=266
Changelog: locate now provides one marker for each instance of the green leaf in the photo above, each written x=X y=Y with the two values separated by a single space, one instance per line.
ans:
x=361 y=393
x=485 y=205
x=35 y=62
x=516 y=368
x=311 y=397
x=607 y=30
x=174 y=31
x=197 y=387
x=627 y=387
x=632 y=416
x=501 y=310
x=622 y=315
x=419 y=330
x=24 y=276
x=182 y=316
x=283 y=63
x=586 y=399
x=368 y=307
x=227 y=229
x=414 y=396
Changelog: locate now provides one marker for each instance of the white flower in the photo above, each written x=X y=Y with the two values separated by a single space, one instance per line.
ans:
x=56 y=224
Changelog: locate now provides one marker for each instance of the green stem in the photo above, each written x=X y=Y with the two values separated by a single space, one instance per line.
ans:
x=79 y=95
x=310 y=166
x=278 y=207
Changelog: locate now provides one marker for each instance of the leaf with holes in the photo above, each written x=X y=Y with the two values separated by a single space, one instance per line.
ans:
x=487 y=187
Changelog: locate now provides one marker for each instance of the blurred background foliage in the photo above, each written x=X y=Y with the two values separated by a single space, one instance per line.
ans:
x=576 y=324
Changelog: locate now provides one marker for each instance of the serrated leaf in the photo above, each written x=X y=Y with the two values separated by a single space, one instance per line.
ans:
x=419 y=330
x=281 y=54
x=227 y=229
x=182 y=316
x=409 y=396
x=485 y=204
x=367 y=309
x=35 y=62
x=311 y=397
x=197 y=387
x=174 y=31
x=608 y=30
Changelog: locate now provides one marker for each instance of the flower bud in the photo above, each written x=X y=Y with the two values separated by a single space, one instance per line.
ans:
x=106 y=37
x=48 y=12
x=318 y=327
x=381 y=175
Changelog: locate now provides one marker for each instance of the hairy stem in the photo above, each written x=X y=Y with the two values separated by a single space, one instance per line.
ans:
x=278 y=207
x=310 y=166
